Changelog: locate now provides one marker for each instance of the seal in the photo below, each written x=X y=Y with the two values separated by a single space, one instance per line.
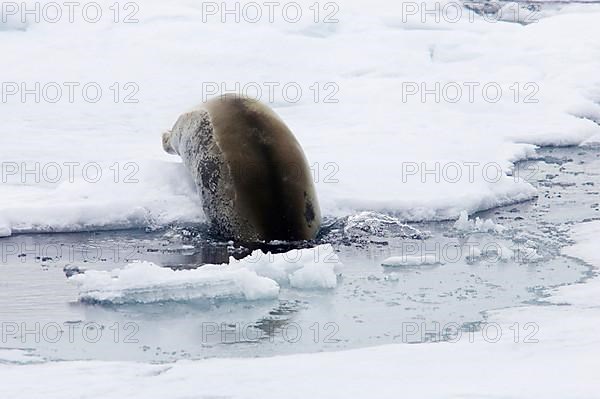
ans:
x=250 y=170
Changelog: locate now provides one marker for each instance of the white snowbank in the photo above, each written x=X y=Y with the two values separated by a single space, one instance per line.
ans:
x=156 y=194
x=257 y=276
x=508 y=365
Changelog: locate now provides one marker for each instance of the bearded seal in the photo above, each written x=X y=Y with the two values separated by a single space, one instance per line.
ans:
x=250 y=171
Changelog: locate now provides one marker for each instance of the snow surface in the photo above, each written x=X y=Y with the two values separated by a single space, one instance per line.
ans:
x=586 y=248
x=555 y=355
x=257 y=276
x=370 y=150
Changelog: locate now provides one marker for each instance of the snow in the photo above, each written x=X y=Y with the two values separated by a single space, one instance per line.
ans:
x=586 y=248
x=379 y=148
x=160 y=195
x=373 y=149
x=257 y=276
x=483 y=364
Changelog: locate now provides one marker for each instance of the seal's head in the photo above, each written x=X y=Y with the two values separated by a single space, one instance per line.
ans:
x=166 y=142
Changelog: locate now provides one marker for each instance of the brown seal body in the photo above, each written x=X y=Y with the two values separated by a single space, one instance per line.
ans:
x=250 y=170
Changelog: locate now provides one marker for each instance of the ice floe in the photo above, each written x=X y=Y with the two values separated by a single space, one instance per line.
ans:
x=258 y=276
x=375 y=148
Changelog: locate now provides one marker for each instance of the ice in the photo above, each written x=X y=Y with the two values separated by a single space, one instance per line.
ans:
x=366 y=226
x=147 y=282
x=10 y=22
x=301 y=268
x=494 y=252
x=370 y=150
x=314 y=276
x=526 y=254
x=258 y=276
x=464 y=224
x=585 y=248
x=361 y=146
x=158 y=195
x=592 y=141
x=526 y=359
x=19 y=356
x=406 y=260
x=5 y=228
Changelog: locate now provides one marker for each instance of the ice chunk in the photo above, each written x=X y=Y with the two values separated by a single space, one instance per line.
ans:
x=146 y=282
x=412 y=260
x=5 y=229
x=371 y=226
x=258 y=276
x=314 y=276
x=300 y=268
x=465 y=224
x=526 y=254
